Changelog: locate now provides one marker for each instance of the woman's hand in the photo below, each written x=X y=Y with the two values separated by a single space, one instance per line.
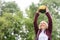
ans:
x=37 y=11
x=47 y=10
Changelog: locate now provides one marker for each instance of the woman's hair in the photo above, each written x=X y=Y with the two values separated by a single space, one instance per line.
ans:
x=45 y=23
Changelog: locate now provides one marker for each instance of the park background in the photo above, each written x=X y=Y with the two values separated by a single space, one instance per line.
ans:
x=17 y=16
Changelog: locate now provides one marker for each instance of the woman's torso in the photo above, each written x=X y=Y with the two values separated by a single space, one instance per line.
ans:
x=42 y=35
x=46 y=32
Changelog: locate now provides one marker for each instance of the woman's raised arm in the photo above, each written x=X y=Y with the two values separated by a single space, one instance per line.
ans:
x=49 y=21
x=35 y=22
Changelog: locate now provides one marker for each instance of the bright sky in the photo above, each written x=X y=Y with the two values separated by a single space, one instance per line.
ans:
x=23 y=4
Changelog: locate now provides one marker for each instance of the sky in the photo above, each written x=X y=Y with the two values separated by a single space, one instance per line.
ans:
x=23 y=4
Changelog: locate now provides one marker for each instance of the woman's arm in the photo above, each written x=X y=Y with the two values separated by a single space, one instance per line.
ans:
x=35 y=22
x=49 y=21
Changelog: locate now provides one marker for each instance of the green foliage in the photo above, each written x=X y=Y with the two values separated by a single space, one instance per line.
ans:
x=13 y=25
x=10 y=21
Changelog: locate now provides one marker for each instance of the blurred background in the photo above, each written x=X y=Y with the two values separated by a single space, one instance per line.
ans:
x=17 y=16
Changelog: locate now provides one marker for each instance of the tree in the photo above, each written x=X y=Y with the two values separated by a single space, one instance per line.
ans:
x=11 y=22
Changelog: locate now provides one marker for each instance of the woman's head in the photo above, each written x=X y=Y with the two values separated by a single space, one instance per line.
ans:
x=43 y=25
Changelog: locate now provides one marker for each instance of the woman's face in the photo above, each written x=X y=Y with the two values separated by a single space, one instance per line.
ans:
x=43 y=25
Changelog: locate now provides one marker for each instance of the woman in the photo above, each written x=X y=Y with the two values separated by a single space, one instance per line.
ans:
x=45 y=29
